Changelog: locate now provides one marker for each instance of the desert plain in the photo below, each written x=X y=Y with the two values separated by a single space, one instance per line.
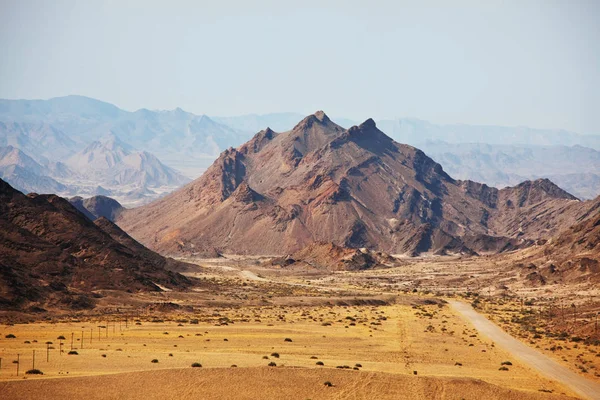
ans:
x=251 y=330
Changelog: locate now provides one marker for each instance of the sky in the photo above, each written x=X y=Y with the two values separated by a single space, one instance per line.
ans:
x=522 y=62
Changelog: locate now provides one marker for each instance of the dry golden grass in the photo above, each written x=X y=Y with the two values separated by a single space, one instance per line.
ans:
x=396 y=340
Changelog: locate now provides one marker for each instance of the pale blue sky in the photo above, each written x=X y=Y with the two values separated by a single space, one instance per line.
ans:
x=533 y=63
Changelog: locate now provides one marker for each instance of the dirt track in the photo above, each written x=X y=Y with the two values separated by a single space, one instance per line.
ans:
x=580 y=385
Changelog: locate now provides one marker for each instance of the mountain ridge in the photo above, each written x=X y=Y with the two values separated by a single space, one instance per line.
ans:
x=353 y=187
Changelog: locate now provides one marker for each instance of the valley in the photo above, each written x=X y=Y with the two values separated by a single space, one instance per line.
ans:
x=383 y=326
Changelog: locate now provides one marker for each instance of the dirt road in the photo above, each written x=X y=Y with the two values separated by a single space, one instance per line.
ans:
x=580 y=385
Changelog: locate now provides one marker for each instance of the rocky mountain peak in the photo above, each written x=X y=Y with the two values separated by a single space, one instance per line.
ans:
x=353 y=187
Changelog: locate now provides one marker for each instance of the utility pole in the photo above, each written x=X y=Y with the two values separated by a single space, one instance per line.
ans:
x=33 y=361
x=91 y=335
x=72 y=335
x=47 y=351
x=82 y=339
x=18 y=363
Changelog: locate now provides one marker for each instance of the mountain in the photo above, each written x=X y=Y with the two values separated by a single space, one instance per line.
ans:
x=24 y=173
x=183 y=140
x=356 y=187
x=39 y=139
x=111 y=162
x=57 y=129
x=97 y=207
x=51 y=255
x=575 y=168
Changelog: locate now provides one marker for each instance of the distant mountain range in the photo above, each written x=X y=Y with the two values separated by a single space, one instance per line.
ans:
x=87 y=147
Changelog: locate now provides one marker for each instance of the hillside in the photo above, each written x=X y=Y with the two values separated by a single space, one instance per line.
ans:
x=51 y=255
x=574 y=254
x=319 y=182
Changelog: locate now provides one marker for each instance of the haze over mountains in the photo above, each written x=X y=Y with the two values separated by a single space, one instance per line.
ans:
x=85 y=147
x=354 y=187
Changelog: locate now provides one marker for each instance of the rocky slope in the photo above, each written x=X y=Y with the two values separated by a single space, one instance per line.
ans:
x=573 y=255
x=51 y=255
x=319 y=182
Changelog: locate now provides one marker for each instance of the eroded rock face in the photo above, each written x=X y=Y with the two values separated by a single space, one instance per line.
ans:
x=352 y=187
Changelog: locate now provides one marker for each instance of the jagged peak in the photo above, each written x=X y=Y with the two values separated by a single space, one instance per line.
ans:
x=258 y=141
x=318 y=117
x=368 y=124
x=321 y=116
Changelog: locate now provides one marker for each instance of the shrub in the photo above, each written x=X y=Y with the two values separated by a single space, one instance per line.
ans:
x=328 y=384
x=61 y=337
x=10 y=336
x=73 y=353
x=320 y=363
x=358 y=365
x=196 y=365
x=506 y=363
x=154 y=361
x=287 y=339
x=272 y=364
x=276 y=355
x=34 y=371
x=503 y=368
x=233 y=366
x=104 y=355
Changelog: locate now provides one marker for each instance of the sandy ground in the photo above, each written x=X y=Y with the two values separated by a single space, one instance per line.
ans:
x=261 y=383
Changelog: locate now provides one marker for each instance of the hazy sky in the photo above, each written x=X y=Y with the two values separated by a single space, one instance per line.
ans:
x=534 y=63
